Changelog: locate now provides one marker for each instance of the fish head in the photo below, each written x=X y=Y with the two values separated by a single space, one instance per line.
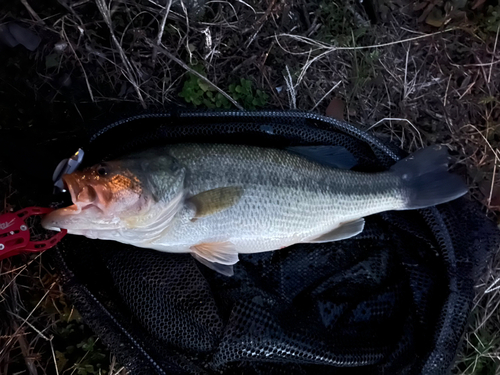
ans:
x=112 y=196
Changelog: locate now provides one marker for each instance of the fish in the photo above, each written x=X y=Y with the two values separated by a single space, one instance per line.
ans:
x=216 y=201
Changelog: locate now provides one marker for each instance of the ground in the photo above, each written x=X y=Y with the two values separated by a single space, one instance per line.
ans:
x=414 y=73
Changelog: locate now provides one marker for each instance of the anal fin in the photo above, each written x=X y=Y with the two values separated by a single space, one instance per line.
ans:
x=343 y=231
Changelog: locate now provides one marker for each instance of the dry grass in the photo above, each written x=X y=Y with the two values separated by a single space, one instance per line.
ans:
x=482 y=353
x=401 y=79
x=36 y=319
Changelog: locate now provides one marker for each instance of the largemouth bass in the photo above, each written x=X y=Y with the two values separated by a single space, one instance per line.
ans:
x=216 y=201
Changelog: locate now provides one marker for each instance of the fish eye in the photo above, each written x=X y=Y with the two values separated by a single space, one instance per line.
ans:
x=102 y=170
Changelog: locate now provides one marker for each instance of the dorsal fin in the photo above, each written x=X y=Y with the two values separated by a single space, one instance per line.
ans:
x=330 y=156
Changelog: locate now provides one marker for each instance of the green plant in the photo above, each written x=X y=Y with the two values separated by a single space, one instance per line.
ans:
x=343 y=26
x=480 y=357
x=87 y=357
x=199 y=93
x=491 y=20
x=339 y=25
x=244 y=93
x=76 y=347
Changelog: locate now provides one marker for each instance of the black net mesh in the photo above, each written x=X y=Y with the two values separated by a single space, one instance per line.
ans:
x=395 y=299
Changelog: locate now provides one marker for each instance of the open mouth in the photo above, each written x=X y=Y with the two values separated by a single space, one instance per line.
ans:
x=88 y=214
x=83 y=196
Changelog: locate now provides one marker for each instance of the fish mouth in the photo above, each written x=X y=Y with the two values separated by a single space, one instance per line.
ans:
x=83 y=214
x=83 y=196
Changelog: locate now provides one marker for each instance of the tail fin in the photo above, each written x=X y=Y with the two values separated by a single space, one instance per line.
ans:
x=425 y=178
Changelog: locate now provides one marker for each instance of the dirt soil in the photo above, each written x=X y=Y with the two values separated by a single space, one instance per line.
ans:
x=414 y=73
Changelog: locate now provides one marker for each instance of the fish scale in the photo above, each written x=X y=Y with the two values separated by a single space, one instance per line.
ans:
x=272 y=179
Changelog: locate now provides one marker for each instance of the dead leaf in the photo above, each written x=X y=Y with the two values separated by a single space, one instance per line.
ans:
x=61 y=360
x=435 y=18
x=448 y=7
x=459 y=4
x=419 y=6
x=477 y=4
x=426 y=11
x=336 y=109
x=459 y=15
x=486 y=189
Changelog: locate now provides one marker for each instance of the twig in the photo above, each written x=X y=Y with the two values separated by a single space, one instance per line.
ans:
x=30 y=325
x=112 y=367
x=25 y=349
x=81 y=360
x=494 y=51
x=493 y=286
x=272 y=89
x=488 y=316
x=486 y=140
x=106 y=15
x=78 y=3
x=292 y=96
x=166 y=11
x=399 y=119
x=497 y=160
x=32 y=12
x=248 y=5
x=473 y=65
x=492 y=184
x=21 y=270
x=446 y=93
x=328 y=93
x=161 y=29
x=186 y=16
x=405 y=86
x=53 y=354
x=222 y=2
x=79 y=63
x=29 y=316
x=330 y=49
x=260 y=23
x=467 y=90
x=194 y=72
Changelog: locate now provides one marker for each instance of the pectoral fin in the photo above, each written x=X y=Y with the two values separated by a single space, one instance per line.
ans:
x=219 y=256
x=212 y=201
x=343 y=231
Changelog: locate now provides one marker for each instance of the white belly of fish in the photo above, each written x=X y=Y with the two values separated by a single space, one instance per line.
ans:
x=262 y=222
